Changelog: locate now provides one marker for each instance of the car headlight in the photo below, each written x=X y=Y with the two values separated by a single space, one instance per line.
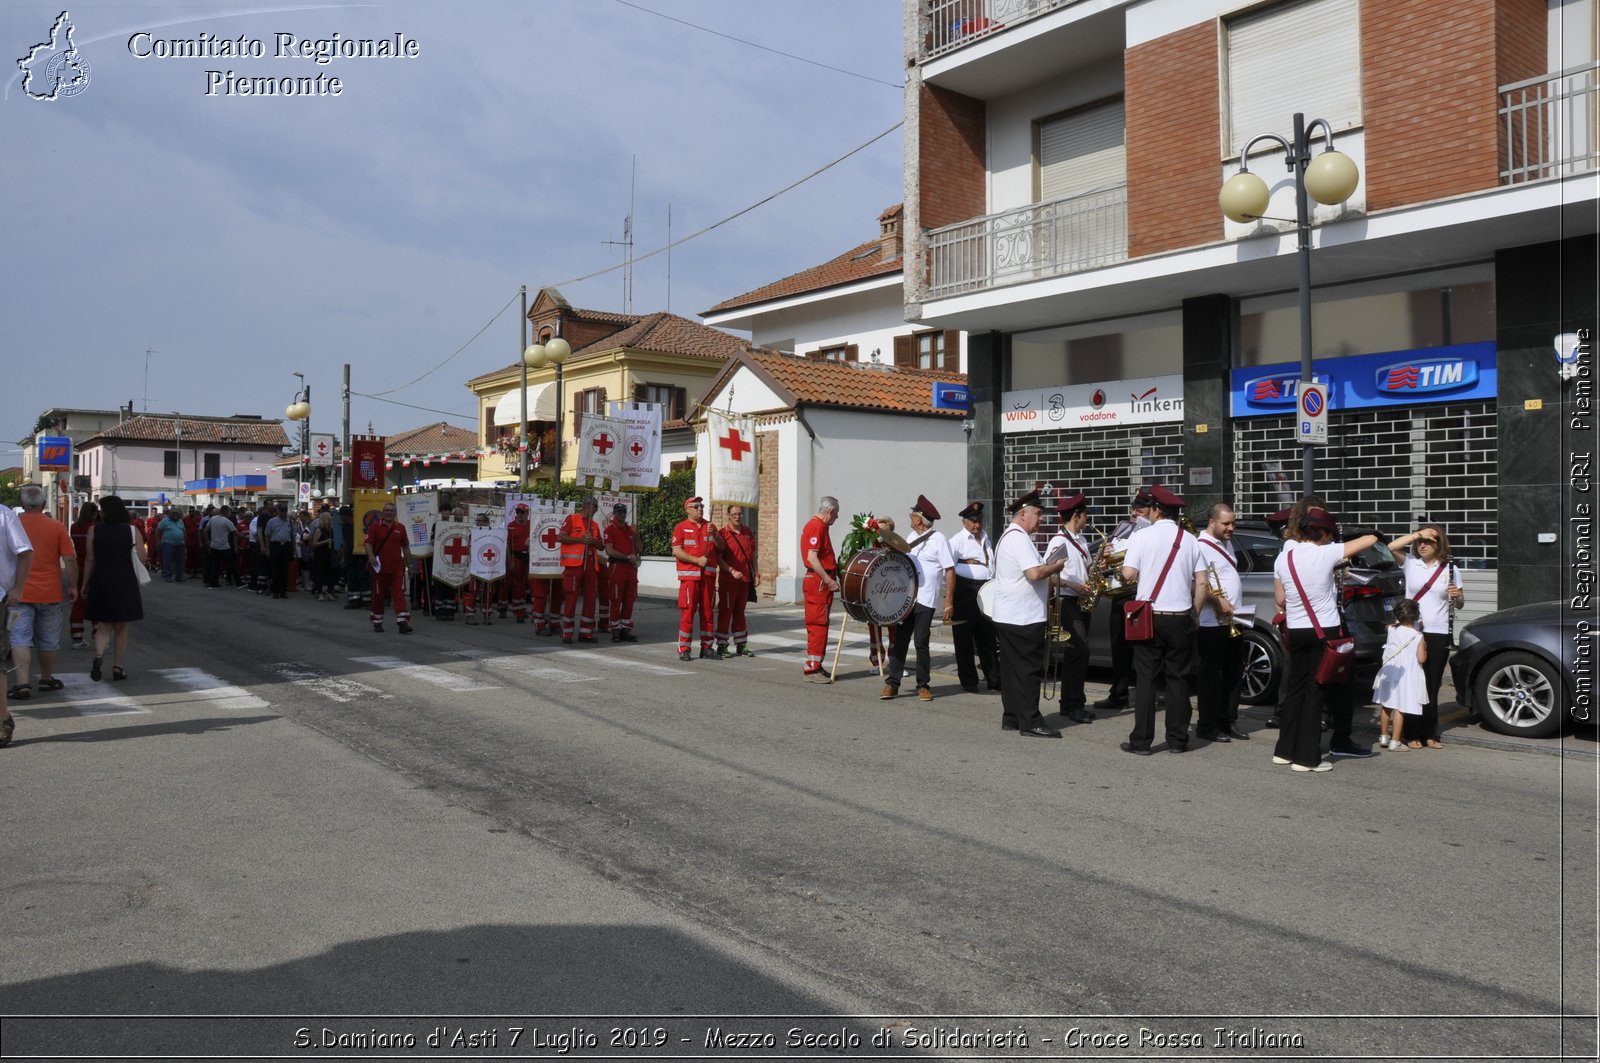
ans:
x=1467 y=639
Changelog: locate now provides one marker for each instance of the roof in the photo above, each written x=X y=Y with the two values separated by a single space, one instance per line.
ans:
x=440 y=438
x=147 y=429
x=807 y=382
x=658 y=333
x=861 y=262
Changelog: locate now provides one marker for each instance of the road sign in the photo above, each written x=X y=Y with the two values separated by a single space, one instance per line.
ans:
x=321 y=450
x=1311 y=403
x=305 y=494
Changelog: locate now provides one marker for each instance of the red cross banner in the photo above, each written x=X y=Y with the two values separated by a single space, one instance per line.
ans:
x=544 y=553
x=452 y=553
x=735 y=478
x=600 y=451
x=641 y=445
x=489 y=554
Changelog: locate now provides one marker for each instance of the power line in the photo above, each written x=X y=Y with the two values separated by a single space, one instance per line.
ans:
x=763 y=47
x=453 y=353
x=426 y=409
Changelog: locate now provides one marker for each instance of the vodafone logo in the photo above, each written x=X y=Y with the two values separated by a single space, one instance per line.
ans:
x=1098 y=399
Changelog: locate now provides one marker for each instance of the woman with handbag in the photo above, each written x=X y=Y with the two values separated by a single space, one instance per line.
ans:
x=112 y=574
x=1434 y=584
x=1320 y=653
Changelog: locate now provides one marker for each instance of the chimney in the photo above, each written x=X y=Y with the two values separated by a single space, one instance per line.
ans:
x=889 y=231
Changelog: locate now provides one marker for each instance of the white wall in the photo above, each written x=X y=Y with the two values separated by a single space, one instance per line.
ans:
x=134 y=470
x=1011 y=128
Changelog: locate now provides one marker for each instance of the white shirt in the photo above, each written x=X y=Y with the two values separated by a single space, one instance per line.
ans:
x=1227 y=575
x=964 y=544
x=1148 y=551
x=1018 y=600
x=1314 y=565
x=1435 y=605
x=1077 y=555
x=13 y=542
x=217 y=530
x=1121 y=536
x=932 y=557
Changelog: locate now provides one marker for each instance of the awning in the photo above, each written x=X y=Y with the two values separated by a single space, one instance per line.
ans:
x=541 y=404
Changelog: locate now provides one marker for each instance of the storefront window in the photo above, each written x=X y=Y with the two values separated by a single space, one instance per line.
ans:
x=1094 y=353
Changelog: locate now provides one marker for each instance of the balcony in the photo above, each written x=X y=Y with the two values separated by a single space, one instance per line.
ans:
x=953 y=24
x=1029 y=243
x=1552 y=125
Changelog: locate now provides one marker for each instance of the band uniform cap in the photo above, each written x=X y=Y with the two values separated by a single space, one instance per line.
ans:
x=1162 y=497
x=1029 y=499
x=1071 y=504
x=1142 y=497
x=926 y=508
x=1319 y=518
x=1278 y=520
x=972 y=512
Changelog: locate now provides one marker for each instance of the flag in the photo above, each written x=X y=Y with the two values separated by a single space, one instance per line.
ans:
x=734 y=477
x=544 y=553
x=600 y=450
x=488 y=553
x=452 y=553
x=641 y=444
x=366 y=463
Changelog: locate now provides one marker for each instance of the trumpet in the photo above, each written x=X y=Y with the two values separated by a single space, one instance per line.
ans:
x=1215 y=583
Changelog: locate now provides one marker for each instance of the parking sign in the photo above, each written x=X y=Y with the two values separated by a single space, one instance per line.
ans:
x=1311 y=405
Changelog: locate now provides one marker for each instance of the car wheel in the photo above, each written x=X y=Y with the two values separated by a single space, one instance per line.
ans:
x=1518 y=693
x=1263 y=669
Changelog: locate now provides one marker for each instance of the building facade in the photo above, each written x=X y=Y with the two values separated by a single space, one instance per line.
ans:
x=151 y=461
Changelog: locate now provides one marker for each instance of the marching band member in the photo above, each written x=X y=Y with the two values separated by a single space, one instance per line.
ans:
x=1074 y=582
x=738 y=575
x=1434 y=584
x=622 y=574
x=515 y=585
x=821 y=583
x=974 y=557
x=1278 y=522
x=1121 y=651
x=1221 y=653
x=580 y=570
x=930 y=552
x=880 y=637
x=697 y=574
x=1165 y=562
x=1020 y=623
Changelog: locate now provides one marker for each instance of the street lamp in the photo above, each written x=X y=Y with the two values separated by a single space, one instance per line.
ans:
x=1330 y=178
x=300 y=410
x=552 y=352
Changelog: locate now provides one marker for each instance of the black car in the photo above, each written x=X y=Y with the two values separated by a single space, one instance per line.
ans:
x=1372 y=579
x=1518 y=668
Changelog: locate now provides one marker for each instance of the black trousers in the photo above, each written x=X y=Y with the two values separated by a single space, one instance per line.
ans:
x=220 y=563
x=1302 y=701
x=1121 y=653
x=1433 y=675
x=915 y=626
x=1167 y=654
x=1021 y=649
x=974 y=636
x=1073 y=667
x=1221 y=677
x=282 y=554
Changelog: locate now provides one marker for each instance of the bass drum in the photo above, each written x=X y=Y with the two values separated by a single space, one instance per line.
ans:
x=986 y=593
x=878 y=585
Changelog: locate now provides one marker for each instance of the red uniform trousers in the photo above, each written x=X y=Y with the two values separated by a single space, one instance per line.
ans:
x=695 y=596
x=391 y=584
x=514 y=588
x=819 y=602
x=732 y=596
x=576 y=580
x=547 y=595
x=622 y=587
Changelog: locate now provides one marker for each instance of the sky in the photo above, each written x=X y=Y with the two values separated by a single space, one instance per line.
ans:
x=186 y=249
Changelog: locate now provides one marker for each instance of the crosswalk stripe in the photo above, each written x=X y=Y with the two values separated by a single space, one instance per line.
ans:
x=533 y=669
x=206 y=687
x=85 y=695
x=438 y=677
x=338 y=688
x=617 y=660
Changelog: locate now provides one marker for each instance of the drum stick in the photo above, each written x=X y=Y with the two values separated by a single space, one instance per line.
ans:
x=838 y=648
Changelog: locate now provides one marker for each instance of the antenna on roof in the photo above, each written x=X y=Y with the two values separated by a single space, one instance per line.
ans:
x=669 y=258
x=148 y=351
x=627 y=241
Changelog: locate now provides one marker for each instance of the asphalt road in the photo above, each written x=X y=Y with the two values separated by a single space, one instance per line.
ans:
x=282 y=813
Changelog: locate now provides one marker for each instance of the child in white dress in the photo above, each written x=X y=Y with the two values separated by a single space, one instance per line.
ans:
x=1401 y=689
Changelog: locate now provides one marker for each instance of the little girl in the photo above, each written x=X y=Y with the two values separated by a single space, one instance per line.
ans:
x=1401 y=689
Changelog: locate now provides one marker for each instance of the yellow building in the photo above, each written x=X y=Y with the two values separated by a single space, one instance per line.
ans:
x=657 y=357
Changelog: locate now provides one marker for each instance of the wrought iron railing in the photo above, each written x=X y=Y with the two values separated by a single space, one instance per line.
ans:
x=1552 y=125
x=1039 y=240
x=953 y=24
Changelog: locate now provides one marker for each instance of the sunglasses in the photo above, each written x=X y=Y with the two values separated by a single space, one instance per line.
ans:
x=1427 y=542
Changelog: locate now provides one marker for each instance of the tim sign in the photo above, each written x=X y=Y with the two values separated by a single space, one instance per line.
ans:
x=55 y=452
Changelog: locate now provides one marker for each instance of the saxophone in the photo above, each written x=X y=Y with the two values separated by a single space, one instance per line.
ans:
x=1096 y=579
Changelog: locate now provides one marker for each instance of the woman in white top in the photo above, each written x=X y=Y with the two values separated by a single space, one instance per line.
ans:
x=1433 y=583
x=1315 y=550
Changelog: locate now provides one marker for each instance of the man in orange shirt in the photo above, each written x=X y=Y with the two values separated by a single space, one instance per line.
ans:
x=580 y=570
x=38 y=622
x=696 y=553
x=622 y=573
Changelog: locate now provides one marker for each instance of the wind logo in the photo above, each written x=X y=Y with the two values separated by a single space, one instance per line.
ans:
x=56 y=65
x=1437 y=374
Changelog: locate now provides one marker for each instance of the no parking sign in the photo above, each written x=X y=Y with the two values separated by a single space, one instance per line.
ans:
x=1311 y=403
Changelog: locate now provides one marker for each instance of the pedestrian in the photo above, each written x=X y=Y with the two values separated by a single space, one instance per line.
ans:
x=174 y=548
x=821 y=583
x=16 y=564
x=736 y=583
x=622 y=573
x=696 y=554
x=880 y=637
x=1116 y=591
x=515 y=585
x=192 y=558
x=88 y=517
x=279 y=538
x=1221 y=648
x=1433 y=582
x=357 y=577
x=388 y=560
x=1073 y=649
x=37 y=624
x=936 y=589
x=322 y=557
x=479 y=598
x=221 y=550
x=1021 y=623
x=111 y=585
x=581 y=548
x=1401 y=689
x=974 y=631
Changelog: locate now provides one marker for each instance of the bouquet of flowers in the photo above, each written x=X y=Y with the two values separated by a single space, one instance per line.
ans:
x=863 y=533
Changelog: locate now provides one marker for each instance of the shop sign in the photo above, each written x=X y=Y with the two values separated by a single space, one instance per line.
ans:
x=1393 y=378
x=1143 y=400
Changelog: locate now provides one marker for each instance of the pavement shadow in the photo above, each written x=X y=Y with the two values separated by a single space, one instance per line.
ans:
x=148 y=730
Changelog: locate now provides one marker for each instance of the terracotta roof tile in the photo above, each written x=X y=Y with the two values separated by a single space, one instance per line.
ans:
x=440 y=438
x=147 y=429
x=661 y=333
x=861 y=262
x=814 y=383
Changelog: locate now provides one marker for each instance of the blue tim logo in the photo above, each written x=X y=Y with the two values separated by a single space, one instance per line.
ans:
x=55 y=69
x=1426 y=374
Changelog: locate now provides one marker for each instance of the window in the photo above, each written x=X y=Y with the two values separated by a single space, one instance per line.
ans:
x=589 y=400
x=213 y=466
x=1303 y=56
x=839 y=352
x=674 y=400
x=169 y=463
x=928 y=350
x=1082 y=151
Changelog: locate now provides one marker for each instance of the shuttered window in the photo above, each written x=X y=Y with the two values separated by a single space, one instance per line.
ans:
x=1303 y=56
x=1083 y=151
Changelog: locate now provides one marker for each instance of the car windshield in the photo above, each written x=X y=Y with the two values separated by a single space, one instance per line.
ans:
x=1375 y=556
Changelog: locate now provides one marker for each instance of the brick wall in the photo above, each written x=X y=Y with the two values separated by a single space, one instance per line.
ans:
x=1384 y=467
x=952 y=159
x=1107 y=464
x=1173 y=145
x=766 y=522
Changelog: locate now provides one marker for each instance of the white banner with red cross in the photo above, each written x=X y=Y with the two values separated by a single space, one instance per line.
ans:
x=544 y=552
x=735 y=479
x=489 y=553
x=641 y=444
x=600 y=451
x=452 y=553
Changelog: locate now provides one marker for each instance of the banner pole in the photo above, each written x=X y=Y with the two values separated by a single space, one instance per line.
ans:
x=838 y=647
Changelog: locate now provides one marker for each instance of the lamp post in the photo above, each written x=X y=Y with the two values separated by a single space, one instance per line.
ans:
x=300 y=410
x=522 y=425
x=1330 y=178
x=540 y=355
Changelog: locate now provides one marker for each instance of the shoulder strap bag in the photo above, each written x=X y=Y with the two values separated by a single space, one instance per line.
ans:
x=1138 y=617
x=1338 y=654
x=140 y=573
